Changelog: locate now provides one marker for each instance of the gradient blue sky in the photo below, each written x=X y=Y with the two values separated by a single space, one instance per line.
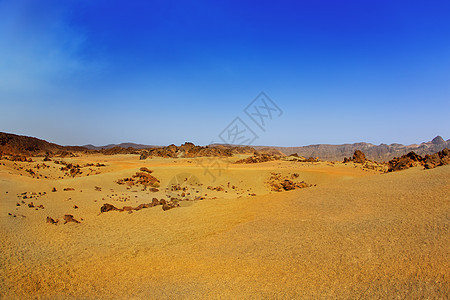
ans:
x=161 y=72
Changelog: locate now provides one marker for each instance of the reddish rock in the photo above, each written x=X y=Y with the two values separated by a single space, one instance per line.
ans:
x=404 y=162
x=437 y=159
x=156 y=202
x=359 y=157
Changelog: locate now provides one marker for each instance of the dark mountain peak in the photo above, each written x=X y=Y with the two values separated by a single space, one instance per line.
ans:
x=438 y=140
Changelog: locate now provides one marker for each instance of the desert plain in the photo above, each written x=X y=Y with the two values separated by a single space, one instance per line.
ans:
x=346 y=232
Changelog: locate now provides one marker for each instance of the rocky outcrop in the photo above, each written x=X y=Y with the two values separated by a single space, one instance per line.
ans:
x=277 y=183
x=108 y=207
x=358 y=157
x=144 y=179
x=412 y=160
x=155 y=202
x=258 y=158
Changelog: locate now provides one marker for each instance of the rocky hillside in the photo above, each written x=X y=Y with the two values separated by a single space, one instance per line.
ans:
x=191 y=150
x=17 y=145
x=380 y=152
x=12 y=144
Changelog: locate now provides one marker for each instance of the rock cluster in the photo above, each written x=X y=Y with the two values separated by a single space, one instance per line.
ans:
x=72 y=170
x=278 y=183
x=412 y=159
x=141 y=178
x=166 y=205
x=257 y=158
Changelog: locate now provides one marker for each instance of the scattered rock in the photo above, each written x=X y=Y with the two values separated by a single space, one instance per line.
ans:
x=52 y=221
x=54 y=189
x=69 y=189
x=70 y=218
x=217 y=188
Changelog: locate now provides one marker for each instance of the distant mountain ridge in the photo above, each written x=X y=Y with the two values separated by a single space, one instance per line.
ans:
x=382 y=152
x=12 y=144
x=121 y=145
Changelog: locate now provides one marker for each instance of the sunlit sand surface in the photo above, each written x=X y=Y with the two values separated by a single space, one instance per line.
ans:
x=354 y=233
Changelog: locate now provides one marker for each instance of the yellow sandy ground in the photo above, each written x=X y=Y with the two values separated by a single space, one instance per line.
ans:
x=356 y=234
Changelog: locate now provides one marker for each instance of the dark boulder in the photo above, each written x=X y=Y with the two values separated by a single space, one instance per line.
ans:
x=108 y=207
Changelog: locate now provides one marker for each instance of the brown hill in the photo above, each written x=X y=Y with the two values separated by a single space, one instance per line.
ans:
x=12 y=144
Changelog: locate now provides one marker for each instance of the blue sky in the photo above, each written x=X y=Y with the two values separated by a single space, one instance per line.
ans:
x=162 y=72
